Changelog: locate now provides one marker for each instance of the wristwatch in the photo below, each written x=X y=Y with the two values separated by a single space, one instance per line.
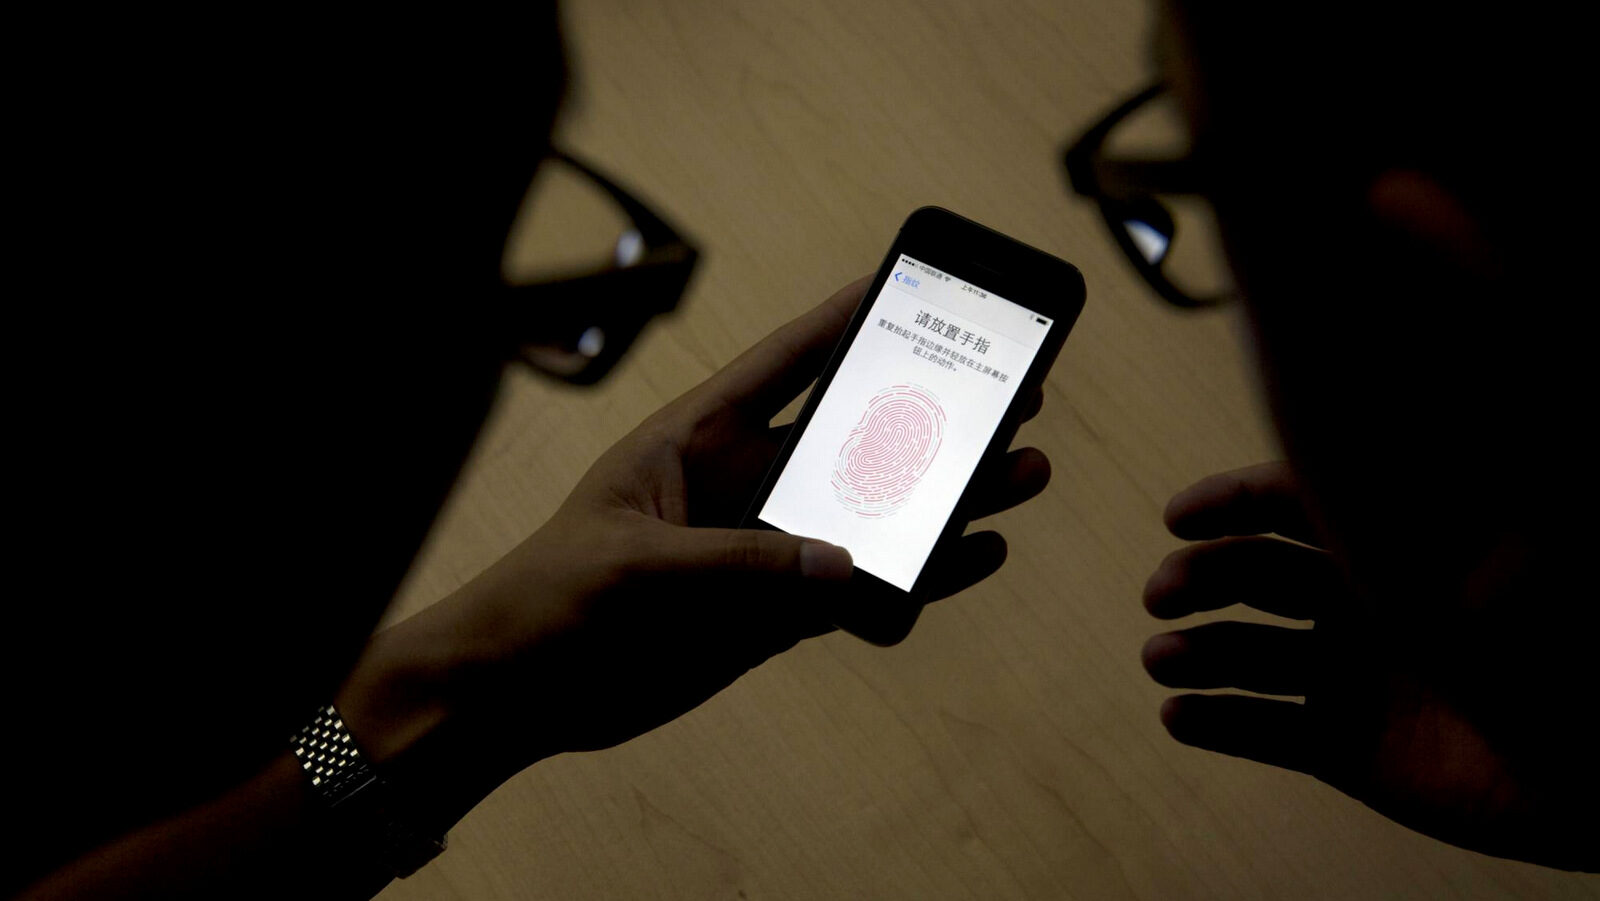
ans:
x=362 y=805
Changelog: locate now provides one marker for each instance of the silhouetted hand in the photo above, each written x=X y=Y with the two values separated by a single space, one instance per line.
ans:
x=638 y=600
x=1443 y=720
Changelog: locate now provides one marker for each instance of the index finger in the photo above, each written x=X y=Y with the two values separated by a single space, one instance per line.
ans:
x=1249 y=501
x=763 y=379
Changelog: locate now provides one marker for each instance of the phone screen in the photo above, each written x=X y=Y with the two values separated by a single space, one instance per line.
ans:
x=902 y=426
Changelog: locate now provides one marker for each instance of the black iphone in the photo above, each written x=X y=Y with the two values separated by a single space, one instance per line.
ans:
x=958 y=329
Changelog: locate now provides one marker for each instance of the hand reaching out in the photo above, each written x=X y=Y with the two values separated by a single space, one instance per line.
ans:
x=1435 y=720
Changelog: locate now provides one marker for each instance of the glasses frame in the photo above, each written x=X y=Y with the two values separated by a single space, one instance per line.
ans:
x=619 y=299
x=1126 y=189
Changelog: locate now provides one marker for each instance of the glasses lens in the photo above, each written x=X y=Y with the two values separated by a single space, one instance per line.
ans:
x=1154 y=129
x=1191 y=255
x=1174 y=234
x=1147 y=226
x=568 y=357
x=569 y=226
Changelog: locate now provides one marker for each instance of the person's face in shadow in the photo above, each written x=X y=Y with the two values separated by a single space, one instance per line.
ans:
x=1362 y=219
x=241 y=437
x=372 y=424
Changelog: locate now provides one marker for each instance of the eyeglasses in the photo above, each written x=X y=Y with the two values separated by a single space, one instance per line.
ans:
x=1176 y=254
x=578 y=324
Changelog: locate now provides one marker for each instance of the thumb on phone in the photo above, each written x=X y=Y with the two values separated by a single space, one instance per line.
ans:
x=755 y=551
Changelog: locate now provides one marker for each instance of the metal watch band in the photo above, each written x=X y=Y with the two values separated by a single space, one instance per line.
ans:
x=361 y=801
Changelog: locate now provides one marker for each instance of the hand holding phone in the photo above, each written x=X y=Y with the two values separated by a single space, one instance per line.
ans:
x=928 y=384
x=638 y=598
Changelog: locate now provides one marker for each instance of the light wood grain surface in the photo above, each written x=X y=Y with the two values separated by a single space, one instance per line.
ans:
x=1011 y=747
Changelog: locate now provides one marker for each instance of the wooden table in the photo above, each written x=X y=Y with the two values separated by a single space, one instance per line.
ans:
x=1010 y=747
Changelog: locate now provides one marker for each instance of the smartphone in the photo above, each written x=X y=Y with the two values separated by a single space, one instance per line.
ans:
x=958 y=329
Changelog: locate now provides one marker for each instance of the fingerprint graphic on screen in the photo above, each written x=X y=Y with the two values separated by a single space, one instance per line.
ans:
x=888 y=452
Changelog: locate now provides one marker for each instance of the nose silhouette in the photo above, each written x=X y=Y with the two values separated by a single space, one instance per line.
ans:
x=888 y=451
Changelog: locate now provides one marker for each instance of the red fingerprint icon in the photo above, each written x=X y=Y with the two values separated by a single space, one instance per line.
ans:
x=888 y=452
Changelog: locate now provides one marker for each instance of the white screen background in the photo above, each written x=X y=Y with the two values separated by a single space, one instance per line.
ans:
x=884 y=354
